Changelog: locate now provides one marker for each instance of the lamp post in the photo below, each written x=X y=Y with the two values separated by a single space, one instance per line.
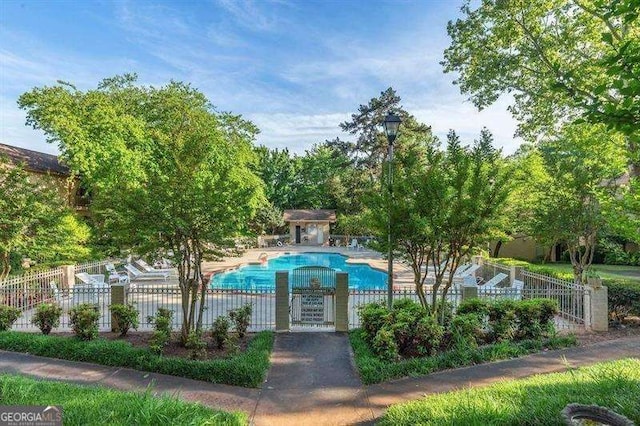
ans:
x=391 y=124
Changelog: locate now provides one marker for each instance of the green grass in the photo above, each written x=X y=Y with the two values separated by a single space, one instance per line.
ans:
x=84 y=405
x=537 y=400
x=246 y=369
x=374 y=370
x=607 y=272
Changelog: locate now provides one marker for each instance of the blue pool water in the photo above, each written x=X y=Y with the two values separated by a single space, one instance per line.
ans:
x=251 y=277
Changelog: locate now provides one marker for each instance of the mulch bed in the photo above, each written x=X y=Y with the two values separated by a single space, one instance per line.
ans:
x=631 y=328
x=140 y=339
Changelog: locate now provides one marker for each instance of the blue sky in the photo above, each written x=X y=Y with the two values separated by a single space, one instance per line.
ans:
x=295 y=68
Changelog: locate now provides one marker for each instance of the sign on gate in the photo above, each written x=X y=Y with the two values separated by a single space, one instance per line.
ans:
x=313 y=292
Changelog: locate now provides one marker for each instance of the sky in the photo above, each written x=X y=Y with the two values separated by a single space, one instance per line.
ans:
x=296 y=68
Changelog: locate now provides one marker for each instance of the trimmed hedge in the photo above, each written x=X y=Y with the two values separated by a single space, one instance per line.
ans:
x=373 y=369
x=247 y=369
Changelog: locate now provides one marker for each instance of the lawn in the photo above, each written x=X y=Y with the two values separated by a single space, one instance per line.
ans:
x=84 y=405
x=605 y=271
x=536 y=400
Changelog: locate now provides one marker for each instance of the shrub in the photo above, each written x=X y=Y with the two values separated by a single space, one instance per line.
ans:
x=47 y=317
x=466 y=330
x=624 y=299
x=162 y=325
x=125 y=317
x=535 y=317
x=384 y=344
x=220 y=331
x=241 y=318
x=373 y=316
x=8 y=316
x=84 y=320
x=416 y=332
x=197 y=346
x=473 y=306
x=502 y=320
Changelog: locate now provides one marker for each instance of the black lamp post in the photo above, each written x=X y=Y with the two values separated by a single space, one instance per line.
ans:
x=391 y=124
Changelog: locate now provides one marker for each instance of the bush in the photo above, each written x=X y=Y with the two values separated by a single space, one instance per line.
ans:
x=466 y=331
x=241 y=318
x=384 y=344
x=624 y=299
x=125 y=317
x=47 y=317
x=473 y=306
x=502 y=320
x=8 y=316
x=162 y=333
x=535 y=317
x=197 y=346
x=373 y=317
x=220 y=331
x=84 y=320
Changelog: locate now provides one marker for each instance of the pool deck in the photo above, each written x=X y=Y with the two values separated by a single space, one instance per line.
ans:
x=403 y=276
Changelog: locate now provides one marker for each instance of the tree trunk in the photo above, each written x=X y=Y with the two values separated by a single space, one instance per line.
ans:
x=496 y=249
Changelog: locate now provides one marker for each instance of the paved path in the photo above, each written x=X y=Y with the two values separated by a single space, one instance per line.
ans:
x=312 y=380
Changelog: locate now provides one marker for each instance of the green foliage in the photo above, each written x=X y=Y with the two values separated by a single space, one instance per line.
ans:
x=220 y=331
x=143 y=149
x=530 y=401
x=384 y=344
x=8 y=316
x=535 y=317
x=466 y=331
x=90 y=405
x=162 y=329
x=473 y=306
x=624 y=299
x=373 y=317
x=84 y=320
x=125 y=317
x=241 y=319
x=47 y=317
x=197 y=346
x=502 y=320
x=373 y=369
x=247 y=369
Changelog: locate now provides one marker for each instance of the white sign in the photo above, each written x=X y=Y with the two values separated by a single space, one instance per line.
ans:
x=312 y=309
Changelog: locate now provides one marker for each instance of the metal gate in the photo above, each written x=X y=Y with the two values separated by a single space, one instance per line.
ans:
x=313 y=290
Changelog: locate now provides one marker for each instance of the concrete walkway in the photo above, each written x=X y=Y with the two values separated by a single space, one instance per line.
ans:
x=312 y=380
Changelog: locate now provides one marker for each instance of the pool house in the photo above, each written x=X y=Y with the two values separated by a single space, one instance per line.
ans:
x=309 y=227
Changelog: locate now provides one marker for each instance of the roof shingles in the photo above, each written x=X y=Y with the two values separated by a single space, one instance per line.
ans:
x=309 y=216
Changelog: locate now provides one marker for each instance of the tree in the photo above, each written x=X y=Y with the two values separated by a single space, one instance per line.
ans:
x=445 y=204
x=28 y=207
x=560 y=59
x=582 y=164
x=165 y=170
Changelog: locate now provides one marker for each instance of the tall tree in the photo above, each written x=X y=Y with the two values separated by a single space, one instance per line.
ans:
x=582 y=164
x=166 y=171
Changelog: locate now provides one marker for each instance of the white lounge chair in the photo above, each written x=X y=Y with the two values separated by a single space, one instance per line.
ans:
x=145 y=267
x=353 y=245
x=94 y=280
x=115 y=275
x=493 y=282
x=469 y=270
x=136 y=274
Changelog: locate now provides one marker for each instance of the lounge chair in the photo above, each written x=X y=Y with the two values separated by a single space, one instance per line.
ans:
x=115 y=275
x=93 y=280
x=136 y=274
x=493 y=282
x=145 y=267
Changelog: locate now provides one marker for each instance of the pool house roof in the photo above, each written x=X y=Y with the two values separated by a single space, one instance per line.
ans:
x=309 y=216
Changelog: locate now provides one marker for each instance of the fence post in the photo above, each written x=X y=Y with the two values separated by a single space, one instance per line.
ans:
x=68 y=276
x=477 y=259
x=469 y=288
x=515 y=273
x=342 y=302
x=599 y=308
x=282 y=301
x=118 y=297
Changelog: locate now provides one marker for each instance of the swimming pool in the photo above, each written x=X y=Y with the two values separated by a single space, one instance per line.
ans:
x=263 y=277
